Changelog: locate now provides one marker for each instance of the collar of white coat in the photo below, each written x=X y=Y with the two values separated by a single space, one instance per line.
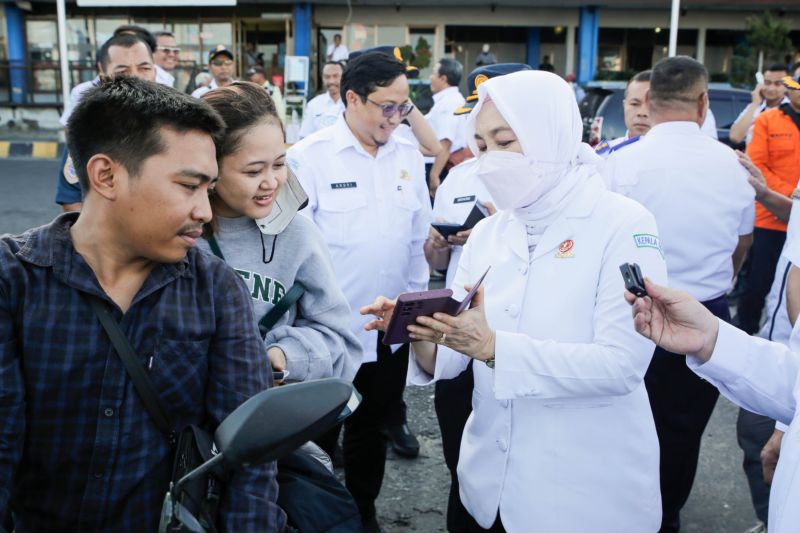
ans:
x=675 y=127
x=444 y=93
x=343 y=138
x=562 y=228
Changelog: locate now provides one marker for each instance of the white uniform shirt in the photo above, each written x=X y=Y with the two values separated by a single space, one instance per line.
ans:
x=164 y=78
x=374 y=213
x=321 y=112
x=760 y=109
x=454 y=201
x=709 y=126
x=699 y=194
x=764 y=377
x=445 y=124
x=561 y=436
x=607 y=148
x=200 y=91
x=337 y=53
x=75 y=96
x=777 y=328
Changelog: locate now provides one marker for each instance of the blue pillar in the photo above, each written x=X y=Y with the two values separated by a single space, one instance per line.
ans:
x=15 y=31
x=588 y=33
x=533 y=50
x=302 y=29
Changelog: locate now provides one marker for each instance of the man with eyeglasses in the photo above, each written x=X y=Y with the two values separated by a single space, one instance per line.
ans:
x=166 y=57
x=220 y=65
x=367 y=194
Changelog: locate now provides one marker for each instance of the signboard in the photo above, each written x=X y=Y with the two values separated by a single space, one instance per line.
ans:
x=156 y=3
x=296 y=69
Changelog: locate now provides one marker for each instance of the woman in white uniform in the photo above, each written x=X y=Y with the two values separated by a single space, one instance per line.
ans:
x=561 y=437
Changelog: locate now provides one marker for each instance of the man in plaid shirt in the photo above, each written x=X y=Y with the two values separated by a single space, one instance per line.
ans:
x=78 y=450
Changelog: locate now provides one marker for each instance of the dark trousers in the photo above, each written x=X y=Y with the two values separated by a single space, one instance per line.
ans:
x=380 y=384
x=453 y=403
x=753 y=431
x=682 y=404
x=757 y=279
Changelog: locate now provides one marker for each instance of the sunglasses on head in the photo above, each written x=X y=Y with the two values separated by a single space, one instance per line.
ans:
x=168 y=50
x=389 y=110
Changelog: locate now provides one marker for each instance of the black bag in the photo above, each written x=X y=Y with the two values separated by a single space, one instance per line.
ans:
x=313 y=499
x=193 y=446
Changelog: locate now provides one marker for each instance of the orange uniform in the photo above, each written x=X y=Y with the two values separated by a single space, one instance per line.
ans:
x=775 y=149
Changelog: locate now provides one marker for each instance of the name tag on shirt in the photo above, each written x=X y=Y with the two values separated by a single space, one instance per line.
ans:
x=464 y=199
x=344 y=185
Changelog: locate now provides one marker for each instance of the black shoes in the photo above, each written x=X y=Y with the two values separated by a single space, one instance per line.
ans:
x=403 y=441
x=371 y=525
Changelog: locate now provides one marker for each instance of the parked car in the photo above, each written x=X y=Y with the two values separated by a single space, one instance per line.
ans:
x=603 y=118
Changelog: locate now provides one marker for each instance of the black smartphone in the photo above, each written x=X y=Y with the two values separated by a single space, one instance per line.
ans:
x=634 y=281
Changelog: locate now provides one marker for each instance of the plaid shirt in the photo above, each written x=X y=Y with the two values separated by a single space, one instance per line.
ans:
x=78 y=450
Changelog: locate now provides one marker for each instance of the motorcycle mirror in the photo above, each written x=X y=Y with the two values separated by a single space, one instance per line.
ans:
x=276 y=421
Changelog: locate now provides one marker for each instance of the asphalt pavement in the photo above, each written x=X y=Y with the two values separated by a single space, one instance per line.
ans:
x=414 y=494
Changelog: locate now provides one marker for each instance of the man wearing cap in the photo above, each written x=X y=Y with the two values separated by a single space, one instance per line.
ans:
x=324 y=109
x=455 y=199
x=367 y=195
x=220 y=65
x=166 y=57
x=445 y=78
x=637 y=117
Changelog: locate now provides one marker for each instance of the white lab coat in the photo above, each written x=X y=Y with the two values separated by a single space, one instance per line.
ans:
x=764 y=377
x=561 y=437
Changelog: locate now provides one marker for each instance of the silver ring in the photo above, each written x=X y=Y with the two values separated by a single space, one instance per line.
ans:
x=443 y=338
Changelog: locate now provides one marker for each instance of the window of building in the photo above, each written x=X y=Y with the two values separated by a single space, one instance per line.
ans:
x=361 y=36
x=43 y=54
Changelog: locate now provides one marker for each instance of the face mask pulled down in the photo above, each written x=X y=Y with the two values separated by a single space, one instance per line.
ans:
x=514 y=181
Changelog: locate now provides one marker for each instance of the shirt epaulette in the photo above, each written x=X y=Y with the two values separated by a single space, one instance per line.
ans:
x=602 y=148
x=626 y=143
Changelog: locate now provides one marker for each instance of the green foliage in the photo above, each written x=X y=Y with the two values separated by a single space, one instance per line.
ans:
x=766 y=33
x=769 y=34
x=420 y=56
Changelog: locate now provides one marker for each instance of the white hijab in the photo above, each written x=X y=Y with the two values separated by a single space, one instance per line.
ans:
x=541 y=109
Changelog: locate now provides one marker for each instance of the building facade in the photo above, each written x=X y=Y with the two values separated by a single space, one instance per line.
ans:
x=607 y=40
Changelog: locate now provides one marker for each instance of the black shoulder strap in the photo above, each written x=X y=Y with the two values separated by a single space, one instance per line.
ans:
x=791 y=113
x=214 y=245
x=136 y=371
x=274 y=314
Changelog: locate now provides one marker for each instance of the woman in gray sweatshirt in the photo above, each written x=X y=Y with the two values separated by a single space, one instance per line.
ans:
x=313 y=338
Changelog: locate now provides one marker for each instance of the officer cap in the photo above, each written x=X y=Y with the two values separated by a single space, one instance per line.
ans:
x=393 y=51
x=480 y=75
x=792 y=83
x=219 y=50
x=255 y=69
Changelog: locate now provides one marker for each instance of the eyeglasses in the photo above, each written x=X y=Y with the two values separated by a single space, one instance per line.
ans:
x=390 y=109
x=222 y=62
x=168 y=50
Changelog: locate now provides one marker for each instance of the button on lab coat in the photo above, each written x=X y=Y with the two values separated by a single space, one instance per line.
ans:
x=561 y=437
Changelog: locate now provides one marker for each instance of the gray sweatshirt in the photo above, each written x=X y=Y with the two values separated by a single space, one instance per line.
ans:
x=315 y=332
